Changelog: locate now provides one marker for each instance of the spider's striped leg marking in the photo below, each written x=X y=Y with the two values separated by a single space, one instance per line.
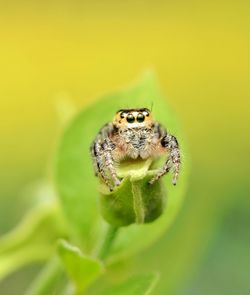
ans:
x=94 y=161
x=108 y=147
x=102 y=149
x=173 y=162
x=97 y=153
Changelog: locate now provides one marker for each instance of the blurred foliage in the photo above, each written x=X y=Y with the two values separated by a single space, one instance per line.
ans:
x=33 y=240
x=138 y=284
x=60 y=51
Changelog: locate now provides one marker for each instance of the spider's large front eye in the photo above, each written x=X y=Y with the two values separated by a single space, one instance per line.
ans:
x=140 y=118
x=130 y=118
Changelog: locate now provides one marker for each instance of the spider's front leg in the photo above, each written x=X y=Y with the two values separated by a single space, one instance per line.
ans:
x=103 y=161
x=108 y=147
x=98 y=162
x=170 y=143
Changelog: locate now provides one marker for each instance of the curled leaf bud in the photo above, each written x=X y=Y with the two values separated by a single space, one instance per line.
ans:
x=134 y=200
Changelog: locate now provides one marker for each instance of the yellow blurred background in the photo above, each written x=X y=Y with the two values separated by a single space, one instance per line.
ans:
x=75 y=51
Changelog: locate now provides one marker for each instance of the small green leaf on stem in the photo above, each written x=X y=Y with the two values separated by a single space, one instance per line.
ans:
x=81 y=269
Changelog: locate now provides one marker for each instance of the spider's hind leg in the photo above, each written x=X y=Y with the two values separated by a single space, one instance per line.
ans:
x=173 y=162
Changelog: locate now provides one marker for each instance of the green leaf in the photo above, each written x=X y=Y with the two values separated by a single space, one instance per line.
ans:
x=81 y=269
x=143 y=284
x=33 y=239
x=77 y=186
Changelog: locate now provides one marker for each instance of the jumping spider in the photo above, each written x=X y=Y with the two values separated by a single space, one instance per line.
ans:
x=133 y=134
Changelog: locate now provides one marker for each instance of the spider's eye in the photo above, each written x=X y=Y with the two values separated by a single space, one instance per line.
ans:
x=122 y=115
x=140 y=118
x=130 y=118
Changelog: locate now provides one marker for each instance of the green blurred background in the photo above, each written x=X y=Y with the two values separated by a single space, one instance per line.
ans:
x=74 y=51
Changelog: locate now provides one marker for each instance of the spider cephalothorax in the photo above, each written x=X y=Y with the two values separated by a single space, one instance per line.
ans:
x=133 y=134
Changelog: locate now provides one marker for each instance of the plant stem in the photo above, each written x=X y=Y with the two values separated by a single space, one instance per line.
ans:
x=108 y=241
x=138 y=203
